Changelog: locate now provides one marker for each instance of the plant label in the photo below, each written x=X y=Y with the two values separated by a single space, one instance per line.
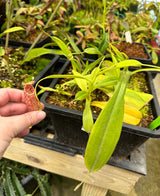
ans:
x=128 y=37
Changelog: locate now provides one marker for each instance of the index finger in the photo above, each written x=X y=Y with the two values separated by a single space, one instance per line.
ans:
x=10 y=94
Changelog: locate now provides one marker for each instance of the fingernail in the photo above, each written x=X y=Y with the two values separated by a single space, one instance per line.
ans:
x=41 y=115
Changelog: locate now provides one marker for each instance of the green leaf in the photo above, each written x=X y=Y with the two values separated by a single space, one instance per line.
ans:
x=2 y=51
x=154 y=30
x=109 y=81
x=63 y=47
x=128 y=63
x=92 y=65
x=111 y=69
x=156 y=123
x=107 y=128
x=74 y=46
x=17 y=185
x=104 y=43
x=1 y=188
x=37 y=52
x=46 y=185
x=81 y=95
x=22 y=171
x=58 y=90
x=92 y=51
x=87 y=117
x=82 y=83
x=131 y=114
x=8 y=186
x=66 y=52
x=139 y=29
x=40 y=183
x=10 y=30
x=38 y=17
x=137 y=99
x=119 y=55
x=154 y=57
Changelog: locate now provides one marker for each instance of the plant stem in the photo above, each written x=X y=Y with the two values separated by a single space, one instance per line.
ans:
x=105 y=10
x=8 y=14
x=47 y=24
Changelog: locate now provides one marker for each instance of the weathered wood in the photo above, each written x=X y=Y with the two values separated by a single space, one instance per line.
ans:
x=91 y=190
x=109 y=177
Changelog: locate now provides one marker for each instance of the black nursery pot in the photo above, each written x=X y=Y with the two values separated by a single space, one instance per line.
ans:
x=67 y=125
x=144 y=61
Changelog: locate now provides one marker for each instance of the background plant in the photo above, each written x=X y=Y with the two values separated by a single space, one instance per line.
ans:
x=13 y=172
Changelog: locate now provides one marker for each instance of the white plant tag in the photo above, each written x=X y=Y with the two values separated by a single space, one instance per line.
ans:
x=128 y=37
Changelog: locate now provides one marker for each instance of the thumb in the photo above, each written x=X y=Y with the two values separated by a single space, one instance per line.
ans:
x=16 y=124
x=12 y=126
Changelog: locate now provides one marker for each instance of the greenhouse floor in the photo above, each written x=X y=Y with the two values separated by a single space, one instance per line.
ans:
x=148 y=185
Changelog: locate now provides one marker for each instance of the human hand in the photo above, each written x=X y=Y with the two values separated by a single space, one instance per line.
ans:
x=15 y=118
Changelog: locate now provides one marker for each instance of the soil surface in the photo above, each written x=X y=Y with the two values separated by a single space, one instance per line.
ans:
x=132 y=50
x=13 y=74
x=22 y=36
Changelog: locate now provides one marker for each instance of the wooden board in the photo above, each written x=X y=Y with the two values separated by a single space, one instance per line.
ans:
x=109 y=177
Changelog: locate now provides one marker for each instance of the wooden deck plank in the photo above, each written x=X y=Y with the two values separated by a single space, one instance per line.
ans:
x=109 y=177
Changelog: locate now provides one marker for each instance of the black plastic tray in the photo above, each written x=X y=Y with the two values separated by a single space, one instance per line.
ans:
x=38 y=136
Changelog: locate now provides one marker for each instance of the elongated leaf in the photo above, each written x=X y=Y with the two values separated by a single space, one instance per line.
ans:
x=107 y=128
x=92 y=51
x=57 y=76
x=111 y=72
x=1 y=188
x=74 y=46
x=131 y=119
x=63 y=47
x=10 y=30
x=92 y=65
x=80 y=82
x=154 y=57
x=47 y=187
x=132 y=98
x=37 y=52
x=137 y=99
x=156 y=123
x=8 y=186
x=81 y=95
x=109 y=81
x=139 y=29
x=66 y=52
x=43 y=89
x=131 y=114
x=17 y=186
x=129 y=63
x=2 y=51
x=104 y=43
x=22 y=171
x=40 y=183
x=87 y=117
x=119 y=55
